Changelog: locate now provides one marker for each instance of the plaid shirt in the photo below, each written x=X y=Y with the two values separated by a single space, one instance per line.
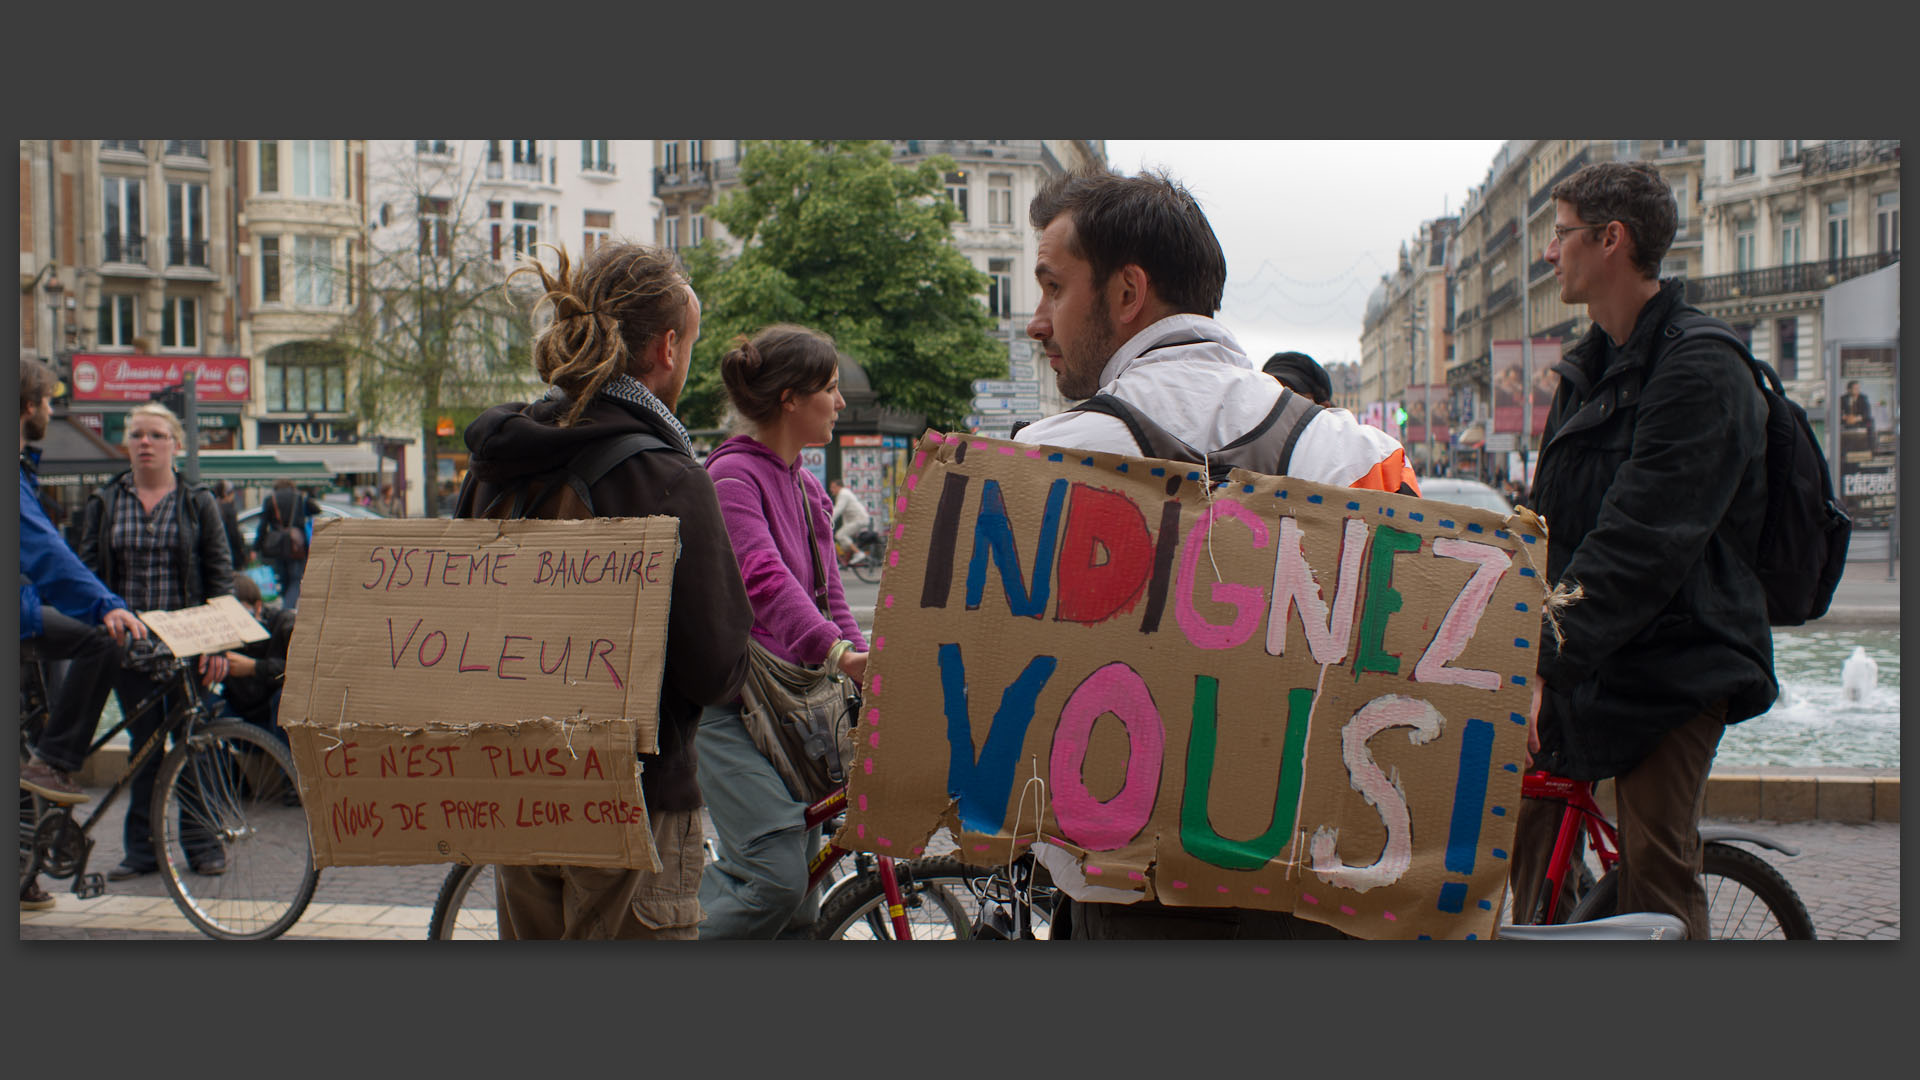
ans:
x=146 y=549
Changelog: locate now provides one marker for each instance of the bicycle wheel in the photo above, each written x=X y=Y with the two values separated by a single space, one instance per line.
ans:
x=229 y=791
x=932 y=890
x=466 y=909
x=1747 y=899
x=868 y=570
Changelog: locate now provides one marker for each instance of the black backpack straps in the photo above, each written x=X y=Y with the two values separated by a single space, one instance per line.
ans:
x=1696 y=325
x=1153 y=440
x=1268 y=447
x=581 y=472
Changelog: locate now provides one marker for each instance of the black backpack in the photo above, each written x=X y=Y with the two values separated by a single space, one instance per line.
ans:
x=1267 y=449
x=563 y=493
x=1804 y=535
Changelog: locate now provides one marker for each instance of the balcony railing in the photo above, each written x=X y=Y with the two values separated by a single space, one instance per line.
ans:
x=1798 y=277
x=526 y=170
x=1008 y=149
x=182 y=251
x=1680 y=148
x=1848 y=154
x=1468 y=316
x=125 y=146
x=125 y=249
x=682 y=178
x=1502 y=296
x=1468 y=262
x=1500 y=238
x=1540 y=268
x=435 y=147
x=1573 y=164
x=1790 y=154
x=194 y=148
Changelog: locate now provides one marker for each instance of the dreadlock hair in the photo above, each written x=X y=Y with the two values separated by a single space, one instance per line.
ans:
x=604 y=315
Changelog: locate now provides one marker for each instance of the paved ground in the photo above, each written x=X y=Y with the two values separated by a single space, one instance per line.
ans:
x=1848 y=875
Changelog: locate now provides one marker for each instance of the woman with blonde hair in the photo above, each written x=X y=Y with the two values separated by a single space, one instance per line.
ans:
x=157 y=541
x=785 y=386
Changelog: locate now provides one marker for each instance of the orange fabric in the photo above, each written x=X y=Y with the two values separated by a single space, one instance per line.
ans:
x=1389 y=475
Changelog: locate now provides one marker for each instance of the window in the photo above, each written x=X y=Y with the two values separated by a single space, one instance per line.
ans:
x=1786 y=362
x=1672 y=146
x=1680 y=203
x=1000 y=288
x=673 y=234
x=957 y=191
x=526 y=159
x=1673 y=266
x=125 y=146
x=526 y=228
x=436 y=234
x=699 y=229
x=313 y=271
x=1742 y=157
x=1886 y=220
x=269 y=165
x=431 y=146
x=1837 y=229
x=670 y=157
x=186 y=225
x=313 y=168
x=305 y=377
x=126 y=240
x=180 y=323
x=1743 y=246
x=349 y=271
x=1790 y=248
x=593 y=156
x=1789 y=151
x=1626 y=149
x=193 y=148
x=599 y=231
x=1000 y=198
x=269 y=269
x=117 y=322
x=696 y=154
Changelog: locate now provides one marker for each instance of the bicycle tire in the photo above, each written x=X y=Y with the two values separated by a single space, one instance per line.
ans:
x=236 y=782
x=869 y=570
x=934 y=910
x=466 y=907
x=1736 y=881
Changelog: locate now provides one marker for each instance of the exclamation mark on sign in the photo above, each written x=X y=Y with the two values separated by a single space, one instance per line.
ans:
x=1469 y=807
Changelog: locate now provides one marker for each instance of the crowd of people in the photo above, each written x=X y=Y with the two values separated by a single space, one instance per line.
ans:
x=1637 y=682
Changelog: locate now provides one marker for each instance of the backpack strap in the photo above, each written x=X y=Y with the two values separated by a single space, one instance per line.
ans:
x=1696 y=325
x=1283 y=424
x=1153 y=440
x=580 y=473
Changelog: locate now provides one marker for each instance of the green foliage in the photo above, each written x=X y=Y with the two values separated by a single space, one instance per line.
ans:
x=839 y=237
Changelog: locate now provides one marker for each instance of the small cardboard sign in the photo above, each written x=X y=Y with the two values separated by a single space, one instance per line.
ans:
x=218 y=625
x=475 y=691
x=1268 y=694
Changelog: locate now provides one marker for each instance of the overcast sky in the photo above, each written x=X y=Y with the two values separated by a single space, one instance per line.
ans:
x=1309 y=227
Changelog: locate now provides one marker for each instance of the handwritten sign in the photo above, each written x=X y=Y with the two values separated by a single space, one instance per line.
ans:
x=1273 y=694
x=475 y=691
x=218 y=625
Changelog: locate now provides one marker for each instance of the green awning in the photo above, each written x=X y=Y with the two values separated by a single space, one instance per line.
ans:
x=255 y=465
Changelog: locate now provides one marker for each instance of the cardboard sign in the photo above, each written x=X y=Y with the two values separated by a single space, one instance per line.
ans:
x=475 y=691
x=1274 y=694
x=218 y=625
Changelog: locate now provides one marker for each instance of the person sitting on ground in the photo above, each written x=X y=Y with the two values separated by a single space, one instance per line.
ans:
x=257 y=669
x=850 y=517
x=65 y=614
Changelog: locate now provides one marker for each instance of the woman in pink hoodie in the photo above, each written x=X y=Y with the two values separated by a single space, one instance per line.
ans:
x=785 y=385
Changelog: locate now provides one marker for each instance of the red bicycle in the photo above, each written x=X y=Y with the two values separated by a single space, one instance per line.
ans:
x=1747 y=899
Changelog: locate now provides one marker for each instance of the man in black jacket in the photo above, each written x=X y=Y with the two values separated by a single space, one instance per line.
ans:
x=1651 y=478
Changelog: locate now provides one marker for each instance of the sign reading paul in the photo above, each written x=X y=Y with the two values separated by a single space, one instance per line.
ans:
x=1274 y=694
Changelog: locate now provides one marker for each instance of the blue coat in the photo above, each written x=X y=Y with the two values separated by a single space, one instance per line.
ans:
x=50 y=573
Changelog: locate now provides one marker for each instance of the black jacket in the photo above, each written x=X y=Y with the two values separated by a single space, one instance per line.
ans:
x=708 y=616
x=202 y=553
x=253 y=692
x=1653 y=487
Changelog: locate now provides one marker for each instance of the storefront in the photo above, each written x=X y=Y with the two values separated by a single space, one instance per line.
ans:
x=349 y=464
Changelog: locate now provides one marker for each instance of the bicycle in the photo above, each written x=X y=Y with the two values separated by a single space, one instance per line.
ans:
x=873 y=545
x=1746 y=897
x=224 y=782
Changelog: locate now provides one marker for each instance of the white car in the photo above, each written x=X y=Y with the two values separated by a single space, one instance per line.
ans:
x=1465 y=492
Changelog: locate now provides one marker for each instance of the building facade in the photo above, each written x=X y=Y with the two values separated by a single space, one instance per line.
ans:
x=1405 y=343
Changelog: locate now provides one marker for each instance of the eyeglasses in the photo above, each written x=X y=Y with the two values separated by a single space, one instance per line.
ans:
x=1560 y=231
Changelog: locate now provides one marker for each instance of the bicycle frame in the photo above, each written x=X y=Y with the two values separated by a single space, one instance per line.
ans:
x=830 y=853
x=1581 y=817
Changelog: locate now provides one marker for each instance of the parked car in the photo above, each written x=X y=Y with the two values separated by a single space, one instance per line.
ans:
x=1465 y=492
x=250 y=519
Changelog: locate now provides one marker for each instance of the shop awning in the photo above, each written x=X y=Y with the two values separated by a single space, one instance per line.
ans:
x=334 y=459
x=256 y=465
x=70 y=449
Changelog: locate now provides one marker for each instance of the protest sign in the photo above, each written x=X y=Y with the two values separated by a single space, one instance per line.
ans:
x=475 y=691
x=218 y=625
x=1274 y=694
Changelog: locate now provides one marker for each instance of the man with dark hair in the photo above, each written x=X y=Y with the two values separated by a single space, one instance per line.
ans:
x=65 y=614
x=1652 y=478
x=1301 y=374
x=1130 y=276
x=281 y=537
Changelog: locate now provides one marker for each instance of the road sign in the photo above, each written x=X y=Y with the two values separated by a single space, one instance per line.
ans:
x=1023 y=370
x=1006 y=388
x=1006 y=404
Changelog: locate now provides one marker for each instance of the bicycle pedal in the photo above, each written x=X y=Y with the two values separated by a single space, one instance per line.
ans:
x=88 y=886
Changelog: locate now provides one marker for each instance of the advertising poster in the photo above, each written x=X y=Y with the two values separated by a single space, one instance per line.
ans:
x=1868 y=486
x=1510 y=383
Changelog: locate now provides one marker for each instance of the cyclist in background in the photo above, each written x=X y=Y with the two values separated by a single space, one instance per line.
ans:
x=849 y=517
x=66 y=614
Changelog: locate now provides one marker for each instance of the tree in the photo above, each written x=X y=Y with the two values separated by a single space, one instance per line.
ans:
x=438 y=327
x=839 y=237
